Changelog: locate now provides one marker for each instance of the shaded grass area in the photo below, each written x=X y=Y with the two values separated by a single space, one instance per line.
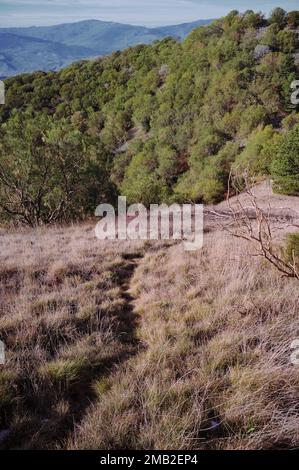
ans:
x=67 y=322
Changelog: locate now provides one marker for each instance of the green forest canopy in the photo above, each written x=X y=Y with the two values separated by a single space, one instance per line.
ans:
x=165 y=122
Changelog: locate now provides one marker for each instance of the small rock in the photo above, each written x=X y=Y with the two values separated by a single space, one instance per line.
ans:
x=296 y=58
x=163 y=70
x=260 y=51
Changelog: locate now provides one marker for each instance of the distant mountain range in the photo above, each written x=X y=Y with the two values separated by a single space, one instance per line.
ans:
x=52 y=47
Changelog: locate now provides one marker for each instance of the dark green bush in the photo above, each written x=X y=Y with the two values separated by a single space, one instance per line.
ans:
x=285 y=166
x=292 y=248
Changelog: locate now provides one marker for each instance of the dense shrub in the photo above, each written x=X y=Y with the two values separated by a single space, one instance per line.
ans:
x=285 y=166
x=255 y=157
x=48 y=172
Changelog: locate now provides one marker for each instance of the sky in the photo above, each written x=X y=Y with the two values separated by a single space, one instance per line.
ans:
x=137 y=12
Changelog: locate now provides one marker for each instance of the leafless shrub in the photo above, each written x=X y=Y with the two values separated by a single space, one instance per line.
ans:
x=255 y=225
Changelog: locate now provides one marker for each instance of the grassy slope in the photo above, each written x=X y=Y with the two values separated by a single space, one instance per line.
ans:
x=200 y=359
x=216 y=372
x=66 y=321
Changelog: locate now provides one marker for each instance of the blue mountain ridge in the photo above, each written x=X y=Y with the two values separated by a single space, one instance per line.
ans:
x=53 y=47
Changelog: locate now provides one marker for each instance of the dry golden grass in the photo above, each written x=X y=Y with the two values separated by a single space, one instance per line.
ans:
x=141 y=346
x=66 y=321
x=216 y=372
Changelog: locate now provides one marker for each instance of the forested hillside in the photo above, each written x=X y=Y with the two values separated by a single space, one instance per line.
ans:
x=165 y=122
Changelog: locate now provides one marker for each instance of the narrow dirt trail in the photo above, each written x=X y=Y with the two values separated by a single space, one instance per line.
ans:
x=82 y=396
x=125 y=328
x=128 y=322
x=129 y=318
